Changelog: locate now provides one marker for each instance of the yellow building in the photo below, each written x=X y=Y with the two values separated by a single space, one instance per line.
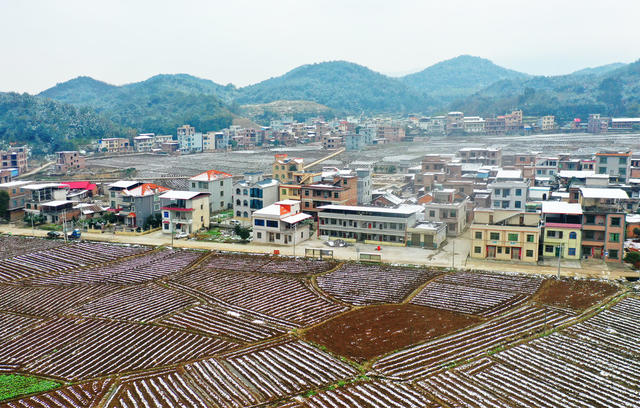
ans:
x=284 y=168
x=505 y=235
x=562 y=229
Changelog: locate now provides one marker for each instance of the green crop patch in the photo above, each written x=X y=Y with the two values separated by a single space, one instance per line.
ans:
x=14 y=385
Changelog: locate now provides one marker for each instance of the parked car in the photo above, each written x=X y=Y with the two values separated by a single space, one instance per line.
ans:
x=181 y=235
x=53 y=234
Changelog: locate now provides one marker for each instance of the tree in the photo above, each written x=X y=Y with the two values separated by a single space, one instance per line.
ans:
x=633 y=258
x=4 y=205
x=243 y=232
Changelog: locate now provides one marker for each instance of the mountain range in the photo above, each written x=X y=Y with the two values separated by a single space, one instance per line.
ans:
x=471 y=84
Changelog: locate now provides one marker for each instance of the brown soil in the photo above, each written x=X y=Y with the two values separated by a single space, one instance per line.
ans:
x=375 y=330
x=573 y=294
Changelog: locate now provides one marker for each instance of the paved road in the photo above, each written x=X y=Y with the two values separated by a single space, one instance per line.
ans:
x=442 y=257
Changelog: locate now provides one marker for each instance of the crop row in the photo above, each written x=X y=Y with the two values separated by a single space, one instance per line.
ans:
x=376 y=394
x=11 y=246
x=281 y=297
x=82 y=349
x=362 y=285
x=86 y=395
x=433 y=356
x=155 y=265
x=483 y=294
x=11 y=323
x=62 y=258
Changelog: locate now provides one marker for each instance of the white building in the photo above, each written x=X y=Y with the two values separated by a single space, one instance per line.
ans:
x=184 y=211
x=473 y=124
x=281 y=223
x=253 y=193
x=615 y=165
x=509 y=191
x=218 y=184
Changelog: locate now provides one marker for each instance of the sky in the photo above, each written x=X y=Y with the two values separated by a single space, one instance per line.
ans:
x=44 y=42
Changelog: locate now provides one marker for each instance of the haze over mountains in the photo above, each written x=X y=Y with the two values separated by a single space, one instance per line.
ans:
x=471 y=84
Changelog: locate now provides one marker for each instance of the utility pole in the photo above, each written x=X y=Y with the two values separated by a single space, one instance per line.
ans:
x=559 y=257
x=453 y=253
x=64 y=224
x=295 y=228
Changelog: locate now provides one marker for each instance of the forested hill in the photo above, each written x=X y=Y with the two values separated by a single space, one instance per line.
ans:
x=458 y=77
x=614 y=93
x=49 y=126
x=340 y=85
x=159 y=104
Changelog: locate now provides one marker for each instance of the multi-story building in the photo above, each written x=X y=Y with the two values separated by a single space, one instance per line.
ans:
x=454 y=123
x=505 y=235
x=140 y=203
x=144 y=142
x=450 y=208
x=184 y=211
x=513 y=122
x=40 y=193
x=562 y=229
x=427 y=234
x=215 y=141
x=473 y=124
x=484 y=156
x=598 y=124
x=6 y=176
x=285 y=168
x=253 y=193
x=390 y=133
x=219 y=185
x=115 y=192
x=69 y=160
x=616 y=165
x=190 y=142
x=509 y=191
x=603 y=224
x=625 y=123
x=546 y=167
x=494 y=126
x=114 y=145
x=14 y=158
x=547 y=123
x=281 y=223
x=373 y=225
x=17 y=198
x=364 y=185
x=340 y=190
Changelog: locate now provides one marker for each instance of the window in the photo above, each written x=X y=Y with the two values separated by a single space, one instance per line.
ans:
x=284 y=191
x=602 y=170
x=221 y=205
x=272 y=224
x=432 y=213
x=513 y=237
x=166 y=214
x=622 y=160
x=477 y=250
x=590 y=219
x=336 y=195
x=548 y=248
x=259 y=235
x=237 y=202
x=499 y=250
x=572 y=251
x=497 y=191
x=614 y=237
x=221 y=193
x=246 y=214
x=603 y=160
x=531 y=238
x=507 y=250
x=518 y=204
x=615 y=221
x=613 y=254
x=237 y=191
x=257 y=222
x=238 y=213
x=505 y=204
x=573 y=235
x=494 y=236
x=165 y=226
x=529 y=253
x=478 y=234
x=518 y=191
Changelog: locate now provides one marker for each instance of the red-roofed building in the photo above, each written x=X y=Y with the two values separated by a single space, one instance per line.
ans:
x=82 y=185
x=220 y=187
x=139 y=203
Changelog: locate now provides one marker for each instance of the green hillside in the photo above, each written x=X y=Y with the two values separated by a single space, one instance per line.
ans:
x=340 y=85
x=458 y=77
x=49 y=126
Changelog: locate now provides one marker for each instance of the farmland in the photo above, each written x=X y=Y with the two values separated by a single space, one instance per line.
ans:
x=121 y=326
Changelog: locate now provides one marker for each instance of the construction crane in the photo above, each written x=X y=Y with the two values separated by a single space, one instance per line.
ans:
x=332 y=155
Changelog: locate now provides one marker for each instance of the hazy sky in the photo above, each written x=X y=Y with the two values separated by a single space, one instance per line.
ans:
x=243 y=42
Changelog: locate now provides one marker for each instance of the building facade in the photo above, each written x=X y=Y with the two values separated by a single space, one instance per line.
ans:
x=281 y=223
x=69 y=160
x=219 y=185
x=253 y=193
x=184 y=211
x=505 y=235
